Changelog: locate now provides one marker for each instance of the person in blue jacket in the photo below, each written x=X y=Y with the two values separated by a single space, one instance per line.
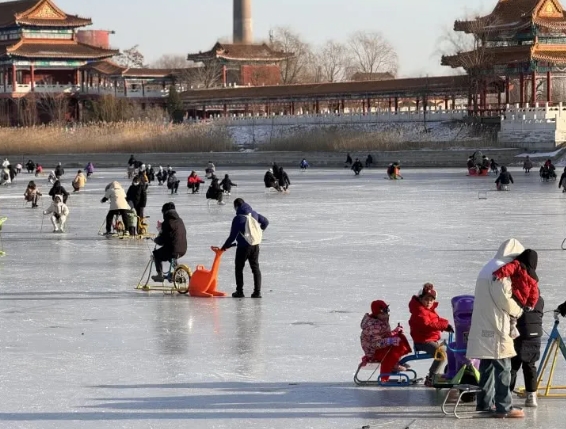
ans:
x=245 y=251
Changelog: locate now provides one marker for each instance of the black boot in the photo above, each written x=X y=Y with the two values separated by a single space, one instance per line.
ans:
x=256 y=294
x=238 y=294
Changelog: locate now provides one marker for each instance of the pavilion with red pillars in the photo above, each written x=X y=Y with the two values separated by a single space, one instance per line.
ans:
x=522 y=44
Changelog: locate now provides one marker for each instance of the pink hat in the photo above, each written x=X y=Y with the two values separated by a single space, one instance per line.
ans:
x=428 y=289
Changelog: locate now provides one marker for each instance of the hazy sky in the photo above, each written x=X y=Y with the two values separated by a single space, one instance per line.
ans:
x=183 y=26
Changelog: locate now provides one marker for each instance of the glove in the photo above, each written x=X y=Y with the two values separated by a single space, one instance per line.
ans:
x=528 y=309
x=223 y=249
x=562 y=309
x=393 y=341
x=449 y=328
x=398 y=330
x=103 y=200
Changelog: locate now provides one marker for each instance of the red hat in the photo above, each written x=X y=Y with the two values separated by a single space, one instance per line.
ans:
x=378 y=307
x=428 y=289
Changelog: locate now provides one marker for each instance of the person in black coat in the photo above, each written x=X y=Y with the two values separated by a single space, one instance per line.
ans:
x=137 y=196
x=59 y=171
x=270 y=181
x=227 y=184
x=357 y=166
x=132 y=160
x=527 y=346
x=562 y=181
x=172 y=239
x=58 y=189
x=284 y=181
x=30 y=166
x=214 y=191
x=348 y=162
x=369 y=161
x=504 y=178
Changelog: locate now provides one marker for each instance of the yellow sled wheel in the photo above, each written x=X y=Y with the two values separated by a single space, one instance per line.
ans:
x=181 y=278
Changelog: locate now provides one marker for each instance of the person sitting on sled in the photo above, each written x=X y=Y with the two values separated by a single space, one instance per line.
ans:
x=494 y=166
x=527 y=165
x=172 y=238
x=193 y=182
x=52 y=177
x=394 y=171
x=270 y=181
x=215 y=191
x=357 y=166
x=504 y=179
x=304 y=164
x=380 y=343
x=209 y=170
x=32 y=194
x=59 y=213
x=551 y=169
x=471 y=165
x=227 y=184
x=426 y=326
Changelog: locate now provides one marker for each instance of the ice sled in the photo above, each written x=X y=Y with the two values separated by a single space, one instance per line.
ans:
x=396 y=379
x=203 y=282
x=474 y=172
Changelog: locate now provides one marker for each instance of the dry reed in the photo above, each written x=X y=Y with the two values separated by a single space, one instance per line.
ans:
x=345 y=138
x=131 y=136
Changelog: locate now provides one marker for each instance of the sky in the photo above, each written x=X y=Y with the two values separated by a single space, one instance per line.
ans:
x=414 y=27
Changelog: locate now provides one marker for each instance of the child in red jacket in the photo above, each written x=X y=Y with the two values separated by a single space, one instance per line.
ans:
x=426 y=326
x=380 y=343
x=524 y=282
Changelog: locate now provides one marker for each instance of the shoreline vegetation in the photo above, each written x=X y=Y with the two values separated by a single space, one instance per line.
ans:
x=154 y=137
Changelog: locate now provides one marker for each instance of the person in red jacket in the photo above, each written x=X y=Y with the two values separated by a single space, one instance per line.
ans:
x=193 y=182
x=380 y=343
x=426 y=326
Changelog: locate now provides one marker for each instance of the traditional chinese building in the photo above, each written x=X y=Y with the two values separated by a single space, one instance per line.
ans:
x=242 y=64
x=39 y=51
x=520 y=41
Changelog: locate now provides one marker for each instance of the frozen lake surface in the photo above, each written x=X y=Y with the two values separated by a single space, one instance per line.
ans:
x=80 y=348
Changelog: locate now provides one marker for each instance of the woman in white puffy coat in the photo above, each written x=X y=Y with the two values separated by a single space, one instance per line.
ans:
x=59 y=213
x=118 y=204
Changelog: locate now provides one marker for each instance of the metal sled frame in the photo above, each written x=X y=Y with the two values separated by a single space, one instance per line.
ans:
x=554 y=344
x=462 y=389
x=168 y=276
x=396 y=379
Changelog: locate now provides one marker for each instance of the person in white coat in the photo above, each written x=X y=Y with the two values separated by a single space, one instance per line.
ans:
x=118 y=204
x=59 y=213
x=489 y=339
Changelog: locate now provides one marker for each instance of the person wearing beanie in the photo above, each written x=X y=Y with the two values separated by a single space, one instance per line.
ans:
x=172 y=239
x=380 y=343
x=426 y=326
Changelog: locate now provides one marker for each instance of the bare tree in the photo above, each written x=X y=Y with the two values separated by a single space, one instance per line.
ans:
x=372 y=53
x=53 y=108
x=172 y=61
x=131 y=57
x=333 y=59
x=293 y=69
x=207 y=75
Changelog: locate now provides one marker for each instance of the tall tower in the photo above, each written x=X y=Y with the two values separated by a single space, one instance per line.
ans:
x=243 y=32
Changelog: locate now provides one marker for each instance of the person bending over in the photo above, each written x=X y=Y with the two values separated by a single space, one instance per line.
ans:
x=118 y=204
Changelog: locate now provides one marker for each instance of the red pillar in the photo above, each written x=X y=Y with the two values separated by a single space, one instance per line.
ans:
x=548 y=87
x=521 y=89
x=14 y=78
x=342 y=106
x=507 y=99
x=5 y=74
x=446 y=103
x=396 y=104
x=534 y=88
x=225 y=110
x=292 y=108
x=390 y=104
x=32 y=77
x=267 y=109
x=369 y=105
x=125 y=87
x=77 y=77
x=484 y=95
x=224 y=75
x=418 y=103
x=317 y=107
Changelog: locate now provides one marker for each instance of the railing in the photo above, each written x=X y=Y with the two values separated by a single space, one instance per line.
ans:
x=118 y=90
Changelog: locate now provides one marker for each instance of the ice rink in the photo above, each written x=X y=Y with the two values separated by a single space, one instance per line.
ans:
x=80 y=348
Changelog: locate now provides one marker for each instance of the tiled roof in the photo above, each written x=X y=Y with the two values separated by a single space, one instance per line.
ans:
x=29 y=12
x=441 y=85
x=511 y=15
x=106 y=67
x=230 y=51
x=55 y=49
x=511 y=54
x=488 y=57
x=371 y=76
